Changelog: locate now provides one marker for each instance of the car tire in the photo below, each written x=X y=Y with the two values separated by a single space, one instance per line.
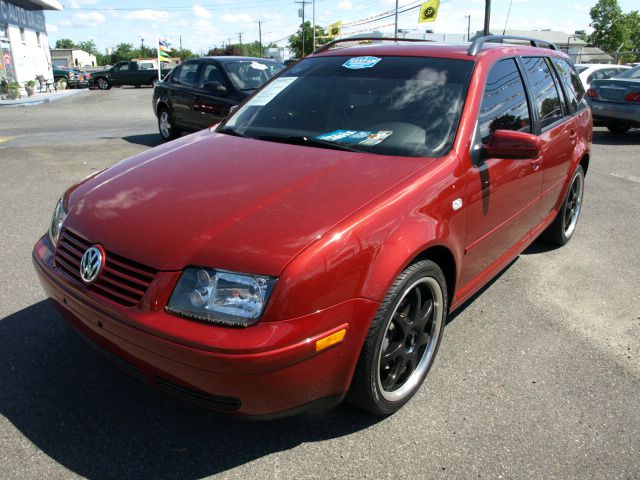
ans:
x=618 y=128
x=166 y=125
x=103 y=84
x=398 y=352
x=564 y=225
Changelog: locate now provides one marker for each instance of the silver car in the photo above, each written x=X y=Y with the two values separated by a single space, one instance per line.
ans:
x=615 y=102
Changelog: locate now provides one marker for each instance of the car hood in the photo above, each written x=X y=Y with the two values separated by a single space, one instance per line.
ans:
x=226 y=202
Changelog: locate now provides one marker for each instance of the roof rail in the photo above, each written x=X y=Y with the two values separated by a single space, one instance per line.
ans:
x=477 y=44
x=370 y=37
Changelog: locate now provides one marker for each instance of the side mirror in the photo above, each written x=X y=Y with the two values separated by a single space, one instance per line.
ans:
x=512 y=144
x=216 y=87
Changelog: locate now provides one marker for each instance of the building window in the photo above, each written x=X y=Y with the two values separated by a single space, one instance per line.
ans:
x=3 y=30
x=22 y=38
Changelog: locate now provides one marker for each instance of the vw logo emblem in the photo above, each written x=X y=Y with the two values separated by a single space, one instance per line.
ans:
x=92 y=263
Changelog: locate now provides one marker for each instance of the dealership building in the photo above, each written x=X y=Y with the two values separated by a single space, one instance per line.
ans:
x=24 y=47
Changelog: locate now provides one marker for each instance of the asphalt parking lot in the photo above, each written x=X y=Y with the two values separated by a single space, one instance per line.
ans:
x=538 y=377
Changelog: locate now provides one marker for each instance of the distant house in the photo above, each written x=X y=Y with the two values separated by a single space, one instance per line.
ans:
x=571 y=44
x=72 y=57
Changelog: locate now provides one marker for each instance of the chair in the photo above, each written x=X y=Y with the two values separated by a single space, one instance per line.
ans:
x=44 y=84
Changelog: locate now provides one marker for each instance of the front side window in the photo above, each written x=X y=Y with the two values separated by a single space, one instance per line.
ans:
x=504 y=104
x=211 y=73
x=406 y=106
x=545 y=90
x=188 y=74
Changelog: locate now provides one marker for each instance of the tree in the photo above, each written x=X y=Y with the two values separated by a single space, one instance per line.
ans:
x=88 y=46
x=65 y=43
x=295 y=40
x=184 y=54
x=228 y=50
x=609 y=25
x=633 y=27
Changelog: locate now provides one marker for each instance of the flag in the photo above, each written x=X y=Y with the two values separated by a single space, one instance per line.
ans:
x=335 y=29
x=163 y=48
x=429 y=11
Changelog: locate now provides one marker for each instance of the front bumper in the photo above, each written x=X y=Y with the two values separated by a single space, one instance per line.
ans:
x=615 y=113
x=270 y=369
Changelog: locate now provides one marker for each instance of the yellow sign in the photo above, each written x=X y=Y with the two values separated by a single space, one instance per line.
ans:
x=335 y=29
x=429 y=11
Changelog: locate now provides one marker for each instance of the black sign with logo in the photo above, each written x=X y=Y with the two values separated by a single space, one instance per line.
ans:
x=22 y=14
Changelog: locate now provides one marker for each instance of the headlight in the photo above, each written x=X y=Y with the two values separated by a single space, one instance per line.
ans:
x=59 y=215
x=219 y=296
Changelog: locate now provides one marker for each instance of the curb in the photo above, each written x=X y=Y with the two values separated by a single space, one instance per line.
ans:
x=32 y=102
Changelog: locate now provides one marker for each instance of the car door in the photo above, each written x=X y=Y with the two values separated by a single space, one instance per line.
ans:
x=127 y=74
x=213 y=105
x=502 y=193
x=184 y=94
x=557 y=130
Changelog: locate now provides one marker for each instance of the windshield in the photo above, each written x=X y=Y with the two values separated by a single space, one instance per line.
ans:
x=631 y=73
x=580 y=68
x=251 y=74
x=408 y=106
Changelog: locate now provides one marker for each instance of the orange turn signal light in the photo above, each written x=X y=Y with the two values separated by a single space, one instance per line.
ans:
x=330 y=340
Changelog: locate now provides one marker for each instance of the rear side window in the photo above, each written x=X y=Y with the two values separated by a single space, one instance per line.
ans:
x=188 y=74
x=547 y=97
x=571 y=80
x=504 y=104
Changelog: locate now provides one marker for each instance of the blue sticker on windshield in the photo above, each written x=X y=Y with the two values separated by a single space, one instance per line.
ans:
x=357 y=63
x=356 y=137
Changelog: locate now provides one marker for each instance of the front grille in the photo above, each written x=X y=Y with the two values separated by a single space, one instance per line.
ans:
x=121 y=280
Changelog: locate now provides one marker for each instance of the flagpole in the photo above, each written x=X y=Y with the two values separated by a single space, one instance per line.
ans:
x=159 y=64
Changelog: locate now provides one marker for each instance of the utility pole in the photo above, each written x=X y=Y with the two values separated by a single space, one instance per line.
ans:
x=180 y=42
x=304 y=3
x=314 y=24
x=260 y=22
x=395 y=31
x=487 y=16
x=468 y=17
x=240 y=37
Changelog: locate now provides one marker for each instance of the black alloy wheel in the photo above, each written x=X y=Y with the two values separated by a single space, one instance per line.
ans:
x=403 y=340
x=563 y=227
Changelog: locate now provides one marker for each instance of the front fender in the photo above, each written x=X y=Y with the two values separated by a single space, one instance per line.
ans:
x=363 y=256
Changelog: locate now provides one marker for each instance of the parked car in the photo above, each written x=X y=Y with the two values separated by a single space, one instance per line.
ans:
x=201 y=92
x=67 y=77
x=598 y=71
x=615 y=102
x=312 y=245
x=126 y=73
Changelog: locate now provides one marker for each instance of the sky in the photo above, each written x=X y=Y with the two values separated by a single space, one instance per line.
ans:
x=209 y=23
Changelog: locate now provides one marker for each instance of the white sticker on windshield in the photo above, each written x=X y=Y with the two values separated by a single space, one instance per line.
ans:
x=258 y=65
x=270 y=91
x=356 y=63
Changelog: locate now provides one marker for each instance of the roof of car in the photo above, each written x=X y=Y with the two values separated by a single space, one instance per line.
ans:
x=237 y=59
x=441 y=50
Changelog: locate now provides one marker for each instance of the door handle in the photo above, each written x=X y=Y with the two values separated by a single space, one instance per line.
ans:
x=573 y=135
x=536 y=162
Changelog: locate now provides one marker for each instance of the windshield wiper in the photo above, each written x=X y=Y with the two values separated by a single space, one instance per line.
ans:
x=310 y=141
x=231 y=131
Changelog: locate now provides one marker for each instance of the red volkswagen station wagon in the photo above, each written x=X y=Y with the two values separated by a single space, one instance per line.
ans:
x=311 y=246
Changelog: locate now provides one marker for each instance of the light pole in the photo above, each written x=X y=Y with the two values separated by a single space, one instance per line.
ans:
x=468 y=17
x=487 y=16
